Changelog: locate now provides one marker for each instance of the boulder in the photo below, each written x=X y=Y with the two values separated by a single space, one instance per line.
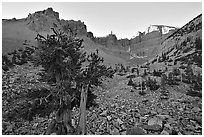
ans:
x=154 y=127
x=155 y=121
x=135 y=131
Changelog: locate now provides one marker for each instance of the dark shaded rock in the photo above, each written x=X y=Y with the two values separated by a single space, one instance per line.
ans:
x=198 y=119
x=174 y=132
x=196 y=109
x=154 y=127
x=90 y=35
x=194 y=94
x=135 y=131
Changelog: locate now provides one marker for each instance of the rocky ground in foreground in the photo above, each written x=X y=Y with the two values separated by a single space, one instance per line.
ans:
x=119 y=111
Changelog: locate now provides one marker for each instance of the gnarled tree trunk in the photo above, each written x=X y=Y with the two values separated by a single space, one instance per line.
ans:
x=62 y=124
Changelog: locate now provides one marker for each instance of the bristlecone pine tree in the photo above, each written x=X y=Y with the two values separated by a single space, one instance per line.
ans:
x=61 y=57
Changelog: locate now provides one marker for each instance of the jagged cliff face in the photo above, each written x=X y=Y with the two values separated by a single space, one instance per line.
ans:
x=139 y=49
x=153 y=31
x=43 y=20
x=47 y=19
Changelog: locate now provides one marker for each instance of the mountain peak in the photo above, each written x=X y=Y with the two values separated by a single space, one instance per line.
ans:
x=43 y=20
x=48 y=12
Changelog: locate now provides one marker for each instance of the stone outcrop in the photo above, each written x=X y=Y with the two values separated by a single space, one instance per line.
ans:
x=153 y=32
x=77 y=27
x=108 y=41
x=163 y=29
x=47 y=19
x=90 y=35
x=43 y=20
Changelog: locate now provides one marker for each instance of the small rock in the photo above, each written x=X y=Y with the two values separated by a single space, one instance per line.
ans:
x=171 y=120
x=143 y=111
x=190 y=128
x=35 y=125
x=198 y=127
x=196 y=109
x=164 y=97
x=4 y=125
x=180 y=109
x=109 y=118
x=123 y=127
x=153 y=112
x=97 y=133
x=123 y=114
x=116 y=124
x=123 y=133
x=101 y=127
x=143 y=119
x=114 y=132
x=159 y=110
x=167 y=125
x=120 y=121
x=179 y=133
x=135 y=131
x=104 y=113
x=73 y=122
x=116 y=105
x=10 y=128
x=163 y=117
x=164 y=132
x=112 y=105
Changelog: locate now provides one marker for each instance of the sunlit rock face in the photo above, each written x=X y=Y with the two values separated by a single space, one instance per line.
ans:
x=161 y=28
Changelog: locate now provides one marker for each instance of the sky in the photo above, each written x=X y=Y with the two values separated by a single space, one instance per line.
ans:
x=124 y=19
